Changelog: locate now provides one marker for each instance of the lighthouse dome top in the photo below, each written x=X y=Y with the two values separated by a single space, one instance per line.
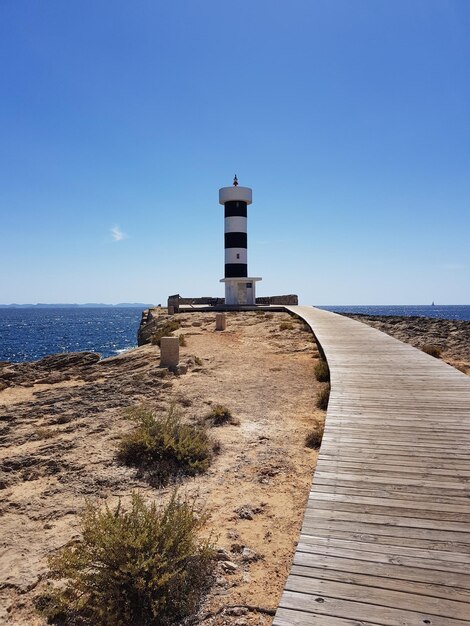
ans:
x=228 y=194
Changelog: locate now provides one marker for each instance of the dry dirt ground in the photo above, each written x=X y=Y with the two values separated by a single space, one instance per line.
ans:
x=61 y=419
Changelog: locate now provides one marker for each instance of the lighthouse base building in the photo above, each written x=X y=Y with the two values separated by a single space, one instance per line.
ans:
x=240 y=289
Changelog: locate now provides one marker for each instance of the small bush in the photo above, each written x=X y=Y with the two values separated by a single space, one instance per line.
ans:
x=198 y=361
x=166 y=330
x=322 y=371
x=314 y=437
x=164 y=448
x=45 y=433
x=182 y=340
x=219 y=415
x=142 y=566
x=323 y=396
x=286 y=326
x=433 y=350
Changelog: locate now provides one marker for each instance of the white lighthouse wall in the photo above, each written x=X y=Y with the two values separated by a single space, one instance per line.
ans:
x=231 y=255
x=229 y=194
x=240 y=291
x=235 y=224
x=231 y=293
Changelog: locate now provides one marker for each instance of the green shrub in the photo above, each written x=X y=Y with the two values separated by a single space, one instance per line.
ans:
x=323 y=395
x=220 y=415
x=433 y=350
x=322 y=371
x=142 y=567
x=165 y=448
x=286 y=326
x=166 y=330
x=314 y=437
x=182 y=340
x=44 y=433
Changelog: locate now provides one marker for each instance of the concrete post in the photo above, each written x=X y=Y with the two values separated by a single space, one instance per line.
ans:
x=169 y=351
x=220 y=321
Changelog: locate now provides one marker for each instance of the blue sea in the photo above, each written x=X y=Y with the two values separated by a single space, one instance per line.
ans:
x=30 y=334
x=446 y=312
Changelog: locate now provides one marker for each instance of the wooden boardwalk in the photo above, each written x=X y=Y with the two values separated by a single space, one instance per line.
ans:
x=386 y=533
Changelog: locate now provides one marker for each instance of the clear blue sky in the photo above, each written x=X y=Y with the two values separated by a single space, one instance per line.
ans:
x=350 y=119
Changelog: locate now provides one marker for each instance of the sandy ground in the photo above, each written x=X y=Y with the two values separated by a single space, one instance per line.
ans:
x=59 y=426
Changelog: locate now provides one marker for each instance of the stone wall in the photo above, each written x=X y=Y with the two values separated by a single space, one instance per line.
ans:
x=175 y=301
x=290 y=299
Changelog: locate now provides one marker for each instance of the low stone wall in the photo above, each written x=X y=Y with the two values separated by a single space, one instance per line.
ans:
x=175 y=301
x=290 y=299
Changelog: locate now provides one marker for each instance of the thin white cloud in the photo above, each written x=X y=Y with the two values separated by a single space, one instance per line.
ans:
x=117 y=234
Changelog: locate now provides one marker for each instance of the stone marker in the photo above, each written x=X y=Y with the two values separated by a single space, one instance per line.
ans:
x=220 y=321
x=169 y=351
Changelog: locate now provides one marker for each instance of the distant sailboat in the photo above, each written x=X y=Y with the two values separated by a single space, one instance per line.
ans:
x=432 y=303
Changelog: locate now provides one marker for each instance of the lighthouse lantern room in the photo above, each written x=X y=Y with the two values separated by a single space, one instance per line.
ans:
x=240 y=289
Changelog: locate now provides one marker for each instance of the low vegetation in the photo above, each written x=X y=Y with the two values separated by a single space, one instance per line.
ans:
x=322 y=371
x=286 y=326
x=323 y=396
x=220 y=415
x=164 y=448
x=182 y=340
x=432 y=350
x=142 y=566
x=45 y=433
x=166 y=330
x=315 y=436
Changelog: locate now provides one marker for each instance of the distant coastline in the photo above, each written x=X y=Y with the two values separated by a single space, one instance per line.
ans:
x=88 y=305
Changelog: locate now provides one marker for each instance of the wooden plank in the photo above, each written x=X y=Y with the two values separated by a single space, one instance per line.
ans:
x=291 y=617
x=388 y=520
x=400 y=550
x=382 y=582
x=386 y=533
x=382 y=597
x=390 y=491
x=325 y=605
x=384 y=508
x=312 y=524
x=383 y=568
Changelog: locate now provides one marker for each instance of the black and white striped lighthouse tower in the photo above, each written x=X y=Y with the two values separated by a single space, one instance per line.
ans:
x=239 y=288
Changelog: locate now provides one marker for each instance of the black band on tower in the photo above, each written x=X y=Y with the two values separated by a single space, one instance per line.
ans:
x=236 y=270
x=236 y=240
x=235 y=208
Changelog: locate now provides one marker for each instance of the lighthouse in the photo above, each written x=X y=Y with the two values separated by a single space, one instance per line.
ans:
x=240 y=289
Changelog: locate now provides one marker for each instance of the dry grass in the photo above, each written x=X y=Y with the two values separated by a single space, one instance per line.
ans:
x=220 y=415
x=164 y=448
x=314 y=437
x=141 y=566
x=323 y=397
x=432 y=350
x=322 y=371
